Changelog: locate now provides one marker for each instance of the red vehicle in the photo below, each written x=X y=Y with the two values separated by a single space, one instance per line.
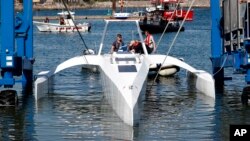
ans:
x=163 y=12
x=169 y=7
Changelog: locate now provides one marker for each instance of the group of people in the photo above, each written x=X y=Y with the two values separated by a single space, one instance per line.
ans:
x=61 y=20
x=135 y=46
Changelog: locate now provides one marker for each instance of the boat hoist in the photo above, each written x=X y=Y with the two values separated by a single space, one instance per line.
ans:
x=230 y=41
x=16 y=57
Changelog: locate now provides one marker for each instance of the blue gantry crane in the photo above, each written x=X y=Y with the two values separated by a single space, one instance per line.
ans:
x=230 y=41
x=16 y=50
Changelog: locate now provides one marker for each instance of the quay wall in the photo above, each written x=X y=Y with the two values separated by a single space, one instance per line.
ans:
x=107 y=4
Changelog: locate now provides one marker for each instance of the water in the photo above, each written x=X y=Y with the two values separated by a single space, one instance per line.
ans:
x=77 y=109
x=84 y=12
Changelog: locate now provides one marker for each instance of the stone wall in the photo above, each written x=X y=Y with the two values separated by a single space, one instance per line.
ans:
x=197 y=3
x=107 y=4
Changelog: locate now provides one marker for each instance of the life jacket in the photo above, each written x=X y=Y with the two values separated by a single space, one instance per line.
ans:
x=149 y=41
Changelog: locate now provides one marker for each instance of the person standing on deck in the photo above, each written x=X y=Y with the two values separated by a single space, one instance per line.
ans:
x=46 y=20
x=61 y=21
x=117 y=44
x=149 y=42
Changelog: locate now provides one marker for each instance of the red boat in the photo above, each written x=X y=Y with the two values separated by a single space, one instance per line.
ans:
x=169 y=10
x=163 y=12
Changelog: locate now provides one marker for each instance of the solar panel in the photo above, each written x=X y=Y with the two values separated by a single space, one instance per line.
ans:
x=127 y=68
x=125 y=59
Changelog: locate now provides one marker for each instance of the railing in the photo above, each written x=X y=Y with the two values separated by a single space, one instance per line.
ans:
x=232 y=25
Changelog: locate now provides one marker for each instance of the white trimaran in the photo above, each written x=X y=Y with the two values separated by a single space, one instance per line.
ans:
x=124 y=76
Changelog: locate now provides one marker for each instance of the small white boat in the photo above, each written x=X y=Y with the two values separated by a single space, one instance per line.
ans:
x=138 y=14
x=121 y=15
x=65 y=24
x=124 y=76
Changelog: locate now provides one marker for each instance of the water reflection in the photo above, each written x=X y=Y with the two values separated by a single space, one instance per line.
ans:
x=171 y=112
x=86 y=117
x=17 y=123
x=228 y=111
x=81 y=113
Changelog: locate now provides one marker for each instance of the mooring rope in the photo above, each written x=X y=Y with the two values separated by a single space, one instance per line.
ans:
x=190 y=6
x=65 y=5
x=222 y=66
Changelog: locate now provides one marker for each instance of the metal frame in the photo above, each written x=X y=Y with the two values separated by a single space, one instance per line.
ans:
x=107 y=21
x=17 y=45
x=234 y=51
